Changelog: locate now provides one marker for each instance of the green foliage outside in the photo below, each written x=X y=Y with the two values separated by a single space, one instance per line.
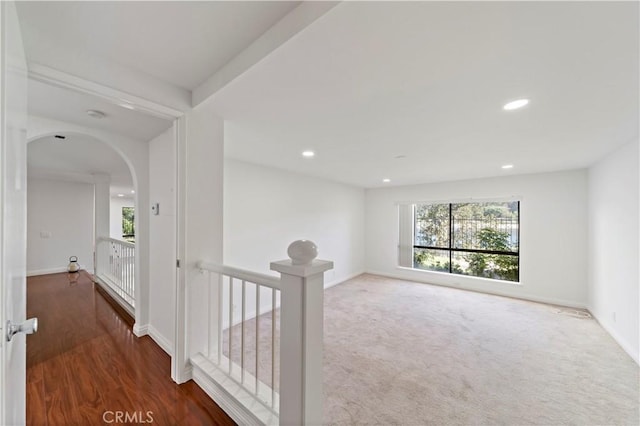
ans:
x=128 y=220
x=502 y=267
x=476 y=226
x=427 y=259
x=434 y=224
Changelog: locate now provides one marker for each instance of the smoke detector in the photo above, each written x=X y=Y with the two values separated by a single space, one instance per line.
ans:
x=94 y=113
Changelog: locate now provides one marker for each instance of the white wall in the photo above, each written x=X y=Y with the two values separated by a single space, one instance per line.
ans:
x=65 y=210
x=162 y=239
x=553 y=255
x=265 y=209
x=201 y=173
x=613 y=245
x=115 y=215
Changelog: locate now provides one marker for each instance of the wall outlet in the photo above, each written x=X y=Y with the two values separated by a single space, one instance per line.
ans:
x=155 y=209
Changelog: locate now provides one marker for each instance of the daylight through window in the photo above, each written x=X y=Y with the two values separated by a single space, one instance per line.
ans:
x=128 y=221
x=477 y=239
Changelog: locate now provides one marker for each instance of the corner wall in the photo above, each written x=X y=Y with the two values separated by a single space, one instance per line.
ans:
x=162 y=240
x=266 y=209
x=59 y=225
x=553 y=227
x=613 y=246
x=201 y=172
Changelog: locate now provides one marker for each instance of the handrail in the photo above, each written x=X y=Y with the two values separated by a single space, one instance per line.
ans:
x=114 y=240
x=234 y=348
x=249 y=276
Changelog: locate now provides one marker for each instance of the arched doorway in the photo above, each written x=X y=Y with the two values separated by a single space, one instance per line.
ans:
x=78 y=189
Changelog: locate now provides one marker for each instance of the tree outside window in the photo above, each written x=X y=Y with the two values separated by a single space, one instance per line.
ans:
x=477 y=239
x=128 y=224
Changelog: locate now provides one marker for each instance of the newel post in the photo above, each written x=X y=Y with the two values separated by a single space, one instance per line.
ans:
x=301 y=334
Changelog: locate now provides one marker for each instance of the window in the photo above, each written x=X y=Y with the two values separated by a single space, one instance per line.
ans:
x=476 y=239
x=128 y=228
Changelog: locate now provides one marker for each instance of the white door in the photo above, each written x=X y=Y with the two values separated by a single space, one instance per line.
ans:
x=13 y=202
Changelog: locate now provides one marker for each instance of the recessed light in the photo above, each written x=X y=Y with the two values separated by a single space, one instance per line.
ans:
x=120 y=195
x=516 y=104
x=133 y=192
x=308 y=154
x=94 y=113
x=508 y=166
x=386 y=180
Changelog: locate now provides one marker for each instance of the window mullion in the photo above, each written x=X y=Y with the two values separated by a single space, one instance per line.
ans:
x=450 y=238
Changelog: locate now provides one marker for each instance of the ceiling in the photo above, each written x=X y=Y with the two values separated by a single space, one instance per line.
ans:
x=78 y=158
x=426 y=81
x=182 y=43
x=179 y=43
x=71 y=106
x=410 y=91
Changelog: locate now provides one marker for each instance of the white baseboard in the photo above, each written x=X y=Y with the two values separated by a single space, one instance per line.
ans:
x=341 y=280
x=160 y=339
x=615 y=336
x=231 y=397
x=185 y=375
x=524 y=296
x=151 y=331
x=140 y=330
x=119 y=300
x=48 y=271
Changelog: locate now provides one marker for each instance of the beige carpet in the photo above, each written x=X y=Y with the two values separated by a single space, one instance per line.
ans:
x=402 y=353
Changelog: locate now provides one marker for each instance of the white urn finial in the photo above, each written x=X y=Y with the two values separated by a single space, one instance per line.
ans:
x=302 y=252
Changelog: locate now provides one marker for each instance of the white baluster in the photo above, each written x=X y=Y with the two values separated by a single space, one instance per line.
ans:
x=257 y=335
x=219 y=337
x=230 y=318
x=209 y=316
x=244 y=310
x=273 y=347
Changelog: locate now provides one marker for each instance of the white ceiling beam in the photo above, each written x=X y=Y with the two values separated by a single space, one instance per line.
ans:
x=165 y=104
x=63 y=175
x=285 y=29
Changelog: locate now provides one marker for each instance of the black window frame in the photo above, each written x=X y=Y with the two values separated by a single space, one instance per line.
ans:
x=453 y=249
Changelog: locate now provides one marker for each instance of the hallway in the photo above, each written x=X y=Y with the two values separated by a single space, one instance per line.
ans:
x=85 y=366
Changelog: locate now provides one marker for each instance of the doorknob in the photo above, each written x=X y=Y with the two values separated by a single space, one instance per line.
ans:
x=30 y=326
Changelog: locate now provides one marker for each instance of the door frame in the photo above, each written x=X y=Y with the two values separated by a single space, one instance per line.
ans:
x=114 y=96
x=2 y=316
x=180 y=369
x=13 y=125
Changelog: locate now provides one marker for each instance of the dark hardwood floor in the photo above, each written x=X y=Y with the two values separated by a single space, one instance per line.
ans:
x=85 y=366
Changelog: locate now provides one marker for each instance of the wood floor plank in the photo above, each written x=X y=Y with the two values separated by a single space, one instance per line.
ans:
x=60 y=401
x=82 y=383
x=36 y=416
x=85 y=362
